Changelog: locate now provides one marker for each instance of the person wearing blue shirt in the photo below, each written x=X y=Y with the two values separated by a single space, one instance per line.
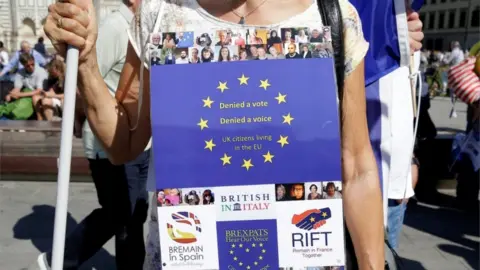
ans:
x=25 y=47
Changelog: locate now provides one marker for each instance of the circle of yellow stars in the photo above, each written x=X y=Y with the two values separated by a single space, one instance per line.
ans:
x=247 y=163
x=247 y=247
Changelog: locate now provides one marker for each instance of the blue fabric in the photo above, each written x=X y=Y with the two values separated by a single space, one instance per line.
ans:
x=417 y=4
x=396 y=215
x=380 y=30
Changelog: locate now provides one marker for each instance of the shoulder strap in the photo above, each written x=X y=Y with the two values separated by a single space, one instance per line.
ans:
x=332 y=16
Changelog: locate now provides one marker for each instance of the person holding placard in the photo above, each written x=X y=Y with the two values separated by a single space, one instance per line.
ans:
x=124 y=132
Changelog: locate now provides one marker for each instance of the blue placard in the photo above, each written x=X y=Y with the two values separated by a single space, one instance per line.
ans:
x=245 y=123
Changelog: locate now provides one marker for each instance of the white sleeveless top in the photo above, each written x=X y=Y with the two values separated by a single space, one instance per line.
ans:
x=188 y=15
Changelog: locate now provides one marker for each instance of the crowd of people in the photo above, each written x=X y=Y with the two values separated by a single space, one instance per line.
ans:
x=31 y=83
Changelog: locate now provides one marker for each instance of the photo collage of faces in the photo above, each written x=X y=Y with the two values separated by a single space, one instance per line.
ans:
x=308 y=191
x=240 y=45
x=186 y=196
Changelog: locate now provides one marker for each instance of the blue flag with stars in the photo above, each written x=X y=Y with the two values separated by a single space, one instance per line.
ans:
x=245 y=123
x=248 y=245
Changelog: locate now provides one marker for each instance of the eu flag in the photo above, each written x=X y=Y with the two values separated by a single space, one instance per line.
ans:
x=248 y=244
x=245 y=123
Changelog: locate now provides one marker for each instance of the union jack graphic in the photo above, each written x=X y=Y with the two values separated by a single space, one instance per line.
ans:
x=186 y=217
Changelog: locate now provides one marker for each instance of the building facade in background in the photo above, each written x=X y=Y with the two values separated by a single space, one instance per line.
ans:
x=445 y=21
x=24 y=19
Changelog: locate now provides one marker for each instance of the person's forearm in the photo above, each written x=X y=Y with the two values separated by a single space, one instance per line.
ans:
x=363 y=208
x=29 y=94
x=106 y=117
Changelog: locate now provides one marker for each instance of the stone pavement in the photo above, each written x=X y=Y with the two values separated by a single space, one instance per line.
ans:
x=434 y=238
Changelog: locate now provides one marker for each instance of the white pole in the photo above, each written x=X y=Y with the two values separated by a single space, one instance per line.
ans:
x=65 y=158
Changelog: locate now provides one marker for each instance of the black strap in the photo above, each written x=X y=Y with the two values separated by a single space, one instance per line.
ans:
x=332 y=16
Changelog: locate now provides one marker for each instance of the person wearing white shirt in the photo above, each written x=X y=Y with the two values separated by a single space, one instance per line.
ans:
x=183 y=59
x=456 y=56
x=121 y=189
x=3 y=56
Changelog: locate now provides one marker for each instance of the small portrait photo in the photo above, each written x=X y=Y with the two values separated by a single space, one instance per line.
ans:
x=168 y=56
x=275 y=51
x=156 y=40
x=223 y=38
x=252 y=52
x=198 y=196
x=243 y=53
x=305 y=50
x=169 y=197
x=316 y=35
x=262 y=52
x=288 y=35
x=208 y=197
x=169 y=40
x=239 y=37
x=321 y=50
x=194 y=55
x=327 y=34
x=314 y=190
x=301 y=35
x=256 y=36
x=292 y=51
x=155 y=59
x=181 y=56
x=184 y=39
x=332 y=190
x=204 y=39
x=273 y=37
x=207 y=54
x=290 y=192
x=226 y=53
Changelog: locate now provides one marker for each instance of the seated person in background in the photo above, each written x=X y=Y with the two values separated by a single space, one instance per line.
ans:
x=29 y=81
x=49 y=103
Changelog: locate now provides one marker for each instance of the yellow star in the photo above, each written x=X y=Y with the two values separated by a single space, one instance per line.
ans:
x=243 y=79
x=287 y=119
x=256 y=263
x=226 y=160
x=240 y=263
x=261 y=244
x=263 y=251
x=247 y=250
x=264 y=84
x=247 y=164
x=222 y=86
x=253 y=245
x=231 y=251
x=248 y=267
x=207 y=102
x=241 y=245
x=312 y=219
x=260 y=258
x=209 y=145
x=233 y=245
x=235 y=258
x=203 y=124
x=324 y=214
x=283 y=140
x=281 y=98
x=268 y=157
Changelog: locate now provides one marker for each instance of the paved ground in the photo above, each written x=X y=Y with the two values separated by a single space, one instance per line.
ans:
x=440 y=111
x=435 y=238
